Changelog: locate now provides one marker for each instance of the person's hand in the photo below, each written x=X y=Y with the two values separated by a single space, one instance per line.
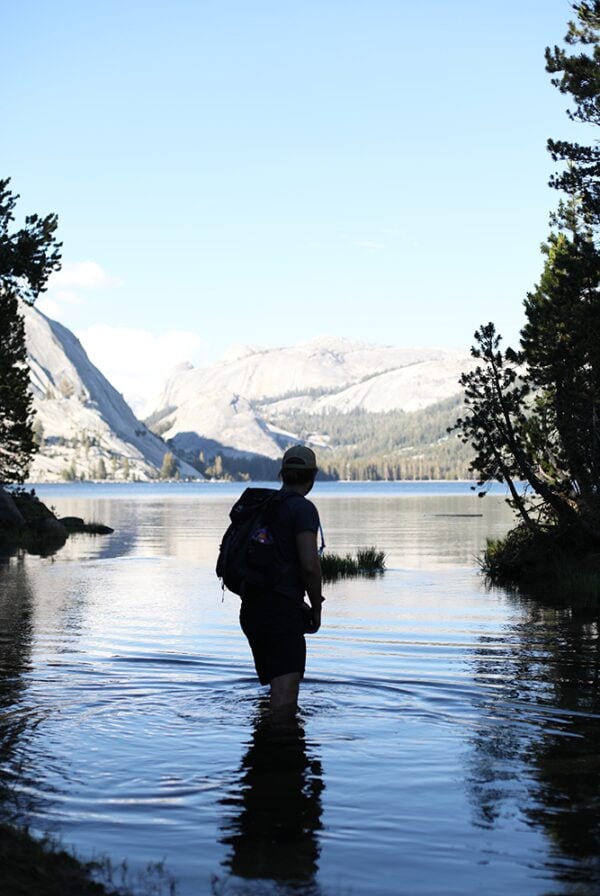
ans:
x=315 y=620
x=312 y=619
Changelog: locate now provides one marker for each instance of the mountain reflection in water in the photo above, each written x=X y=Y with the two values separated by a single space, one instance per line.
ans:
x=273 y=810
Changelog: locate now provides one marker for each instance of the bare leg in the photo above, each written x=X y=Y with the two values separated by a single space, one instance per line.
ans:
x=284 y=695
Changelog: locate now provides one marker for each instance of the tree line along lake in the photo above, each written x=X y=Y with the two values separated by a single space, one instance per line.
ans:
x=447 y=733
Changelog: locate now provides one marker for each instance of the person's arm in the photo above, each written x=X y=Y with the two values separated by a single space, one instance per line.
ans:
x=310 y=567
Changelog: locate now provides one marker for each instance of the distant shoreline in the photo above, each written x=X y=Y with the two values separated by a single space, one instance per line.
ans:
x=251 y=482
x=115 y=488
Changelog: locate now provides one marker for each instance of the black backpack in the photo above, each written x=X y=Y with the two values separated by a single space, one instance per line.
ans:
x=248 y=553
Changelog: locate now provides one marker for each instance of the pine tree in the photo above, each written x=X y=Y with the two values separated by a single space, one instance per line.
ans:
x=561 y=344
x=169 y=466
x=17 y=443
x=578 y=75
x=552 y=438
x=27 y=258
x=561 y=339
x=38 y=433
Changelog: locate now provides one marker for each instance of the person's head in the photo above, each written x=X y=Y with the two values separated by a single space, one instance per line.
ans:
x=299 y=467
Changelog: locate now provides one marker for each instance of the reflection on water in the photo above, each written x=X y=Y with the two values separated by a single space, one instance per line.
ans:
x=545 y=725
x=16 y=722
x=273 y=811
x=567 y=796
x=419 y=529
x=448 y=734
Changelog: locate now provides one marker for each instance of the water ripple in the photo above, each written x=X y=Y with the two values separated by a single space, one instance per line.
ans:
x=447 y=740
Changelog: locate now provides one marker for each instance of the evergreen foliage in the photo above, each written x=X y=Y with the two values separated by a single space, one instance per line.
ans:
x=394 y=445
x=561 y=343
x=17 y=442
x=534 y=414
x=28 y=255
x=169 y=469
x=239 y=468
x=578 y=75
x=27 y=258
x=359 y=445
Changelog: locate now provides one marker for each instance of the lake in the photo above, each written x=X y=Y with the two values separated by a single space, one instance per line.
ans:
x=447 y=736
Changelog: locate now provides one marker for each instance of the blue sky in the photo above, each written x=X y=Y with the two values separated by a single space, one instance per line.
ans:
x=266 y=172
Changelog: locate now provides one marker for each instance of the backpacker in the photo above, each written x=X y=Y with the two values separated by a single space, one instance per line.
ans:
x=248 y=553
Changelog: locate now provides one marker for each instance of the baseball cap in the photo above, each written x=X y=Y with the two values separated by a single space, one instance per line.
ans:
x=299 y=457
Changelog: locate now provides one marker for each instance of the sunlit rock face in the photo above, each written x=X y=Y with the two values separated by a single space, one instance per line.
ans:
x=84 y=426
x=239 y=407
x=239 y=401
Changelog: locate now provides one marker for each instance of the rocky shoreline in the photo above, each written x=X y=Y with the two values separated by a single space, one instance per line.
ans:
x=28 y=524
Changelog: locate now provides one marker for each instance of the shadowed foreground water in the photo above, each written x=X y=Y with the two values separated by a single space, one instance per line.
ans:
x=447 y=741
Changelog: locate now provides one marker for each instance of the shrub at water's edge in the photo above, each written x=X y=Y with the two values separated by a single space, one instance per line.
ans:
x=366 y=562
x=32 y=866
x=39 y=866
x=556 y=562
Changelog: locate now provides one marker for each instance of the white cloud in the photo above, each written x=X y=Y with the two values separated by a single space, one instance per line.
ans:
x=137 y=362
x=86 y=275
x=63 y=295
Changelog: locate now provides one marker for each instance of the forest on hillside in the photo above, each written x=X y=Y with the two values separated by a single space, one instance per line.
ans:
x=391 y=445
x=359 y=445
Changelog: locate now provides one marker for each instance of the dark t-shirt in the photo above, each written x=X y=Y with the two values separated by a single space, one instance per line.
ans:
x=294 y=514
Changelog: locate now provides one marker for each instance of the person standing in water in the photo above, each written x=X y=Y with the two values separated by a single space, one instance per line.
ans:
x=275 y=621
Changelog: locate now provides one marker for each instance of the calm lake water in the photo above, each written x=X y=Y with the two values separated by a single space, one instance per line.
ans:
x=448 y=734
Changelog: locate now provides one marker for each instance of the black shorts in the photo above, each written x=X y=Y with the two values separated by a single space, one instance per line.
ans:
x=274 y=627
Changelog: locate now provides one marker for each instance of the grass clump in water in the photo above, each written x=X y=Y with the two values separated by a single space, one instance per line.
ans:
x=365 y=562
